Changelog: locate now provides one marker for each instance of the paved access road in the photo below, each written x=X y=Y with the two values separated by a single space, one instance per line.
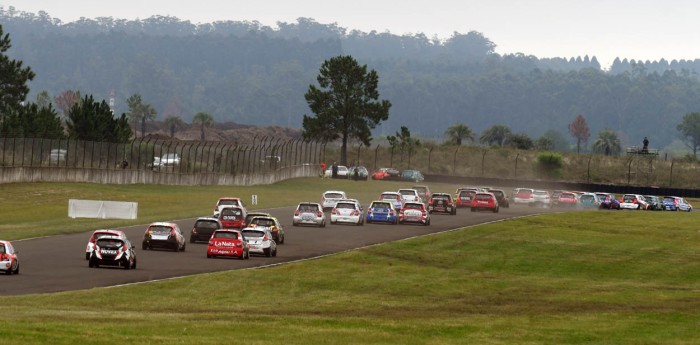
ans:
x=58 y=263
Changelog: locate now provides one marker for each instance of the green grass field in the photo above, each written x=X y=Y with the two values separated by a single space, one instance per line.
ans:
x=571 y=278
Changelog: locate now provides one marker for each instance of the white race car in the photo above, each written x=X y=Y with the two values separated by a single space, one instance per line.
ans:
x=347 y=212
x=260 y=241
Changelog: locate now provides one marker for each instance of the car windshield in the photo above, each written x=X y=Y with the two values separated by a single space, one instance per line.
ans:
x=628 y=198
x=483 y=196
x=390 y=197
x=308 y=208
x=407 y=192
x=2 y=249
x=466 y=193
x=206 y=224
x=333 y=196
x=567 y=196
x=587 y=197
x=440 y=196
x=413 y=206
x=253 y=233
x=99 y=235
x=226 y=234
x=228 y=202
x=497 y=193
x=669 y=198
x=110 y=243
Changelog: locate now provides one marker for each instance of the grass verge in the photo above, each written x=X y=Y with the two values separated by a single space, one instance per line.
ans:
x=576 y=278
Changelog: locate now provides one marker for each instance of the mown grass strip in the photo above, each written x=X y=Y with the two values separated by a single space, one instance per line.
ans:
x=576 y=278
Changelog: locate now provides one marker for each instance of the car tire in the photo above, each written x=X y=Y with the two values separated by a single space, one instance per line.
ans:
x=267 y=252
x=242 y=257
x=192 y=240
x=282 y=241
x=495 y=210
x=473 y=209
x=134 y=266
x=295 y=224
x=184 y=245
x=144 y=247
x=274 y=252
x=323 y=225
x=17 y=268
x=91 y=263
x=208 y=256
x=127 y=265
x=87 y=256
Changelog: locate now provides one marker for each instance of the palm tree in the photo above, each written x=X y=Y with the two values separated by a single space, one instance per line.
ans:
x=458 y=132
x=173 y=122
x=496 y=135
x=607 y=143
x=140 y=112
x=203 y=119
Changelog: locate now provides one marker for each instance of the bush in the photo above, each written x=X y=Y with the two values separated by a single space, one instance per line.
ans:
x=549 y=165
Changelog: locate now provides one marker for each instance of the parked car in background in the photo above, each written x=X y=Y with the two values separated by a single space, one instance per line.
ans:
x=167 y=160
x=608 y=201
x=414 y=212
x=113 y=251
x=381 y=211
x=423 y=192
x=386 y=174
x=309 y=213
x=57 y=155
x=232 y=217
x=589 y=200
x=228 y=242
x=568 y=199
x=501 y=197
x=555 y=197
x=97 y=234
x=412 y=175
x=442 y=203
x=362 y=173
x=331 y=197
x=342 y=171
x=164 y=235
x=347 y=212
x=524 y=196
x=675 y=203
x=654 y=202
x=9 y=259
x=394 y=198
x=203 y=228
x=270 y=223
x=260 y=241
x=484 y=201
x=633 y=202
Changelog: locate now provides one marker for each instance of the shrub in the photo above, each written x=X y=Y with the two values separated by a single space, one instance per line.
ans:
x=549 y=165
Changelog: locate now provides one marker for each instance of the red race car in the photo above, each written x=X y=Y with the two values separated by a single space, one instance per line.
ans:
x=228 y=242
x=232 y=217
x=484 y=201
x=9 y=262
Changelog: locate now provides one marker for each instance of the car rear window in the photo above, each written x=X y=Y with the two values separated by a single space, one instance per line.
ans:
x=668 y=198
x=413 y=206
x=465 y=193
x=206 y=224
x=228 y=203
x=307 y=208
x=231 y=212
x=524 y=193
x=540 y=193
x=407 y=192
x=481 y=196
x=263 y=222
x=421 y=189
x=497 y=193
x=226 y=234
x=587 y=198
x=333 y=196
x=390 y=196
x=345 y=205
x=380 y=205
x=253 y=233
x=110 y=243
x=628 y=198
x=160 y=230
x=103 y=234
x=2 y=249
x=567 y=196
x=440 y=196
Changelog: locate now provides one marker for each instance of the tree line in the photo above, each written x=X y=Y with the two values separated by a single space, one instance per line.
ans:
x=254 y=74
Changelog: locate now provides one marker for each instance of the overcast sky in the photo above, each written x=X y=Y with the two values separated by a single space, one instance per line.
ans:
x=639 y=29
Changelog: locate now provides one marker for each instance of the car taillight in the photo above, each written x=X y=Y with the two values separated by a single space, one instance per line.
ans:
x=265 y=238
x=392 y=212
x=335 y=211
x=425 y=214
x=296 y=213
x=369 y=211
x=194 y=230
x=319 y=214
x=430 y=201
x=634 y=201
x=211 y=243
x=239 y=244
x=172 y=233
x=356 y=213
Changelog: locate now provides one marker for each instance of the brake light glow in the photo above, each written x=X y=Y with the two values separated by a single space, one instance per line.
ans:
x=194 y=230
x=356 y=213
x=319 y=214
x=335 y=211
x=265 y=238
x=296 y=213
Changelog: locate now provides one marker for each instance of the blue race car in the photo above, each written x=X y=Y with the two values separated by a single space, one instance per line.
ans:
x=381 y=211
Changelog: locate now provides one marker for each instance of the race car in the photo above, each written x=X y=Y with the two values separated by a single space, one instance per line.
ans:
x=227 y=201
x=309 y=213
x=232 y=217
x=381 y=211
x=485 y=201
x=113 y=251
x=203 y=228
x=442 y=203
x=347 y=212
x=98 y=234
x=164 y=235
x=260 y=241
x=270 y=223
x=228 y=242
x=386 y=174
x=414 y=212
x=9 y=262
x=394 y=198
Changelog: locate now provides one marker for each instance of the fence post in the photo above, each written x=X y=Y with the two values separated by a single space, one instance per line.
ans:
x=670 y=176
x=515 y=173
x=629 y=170
x=375 y=157
x=454 y=161
x=483 y=161
x=430 y=154
x=391 y=157
x=588 y=179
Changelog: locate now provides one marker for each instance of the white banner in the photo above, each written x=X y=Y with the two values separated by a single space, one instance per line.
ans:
x=102 y=209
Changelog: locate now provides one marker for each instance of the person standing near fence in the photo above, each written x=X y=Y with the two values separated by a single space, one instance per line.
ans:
x=334 y=170
x=645 y=143
x=323 y=169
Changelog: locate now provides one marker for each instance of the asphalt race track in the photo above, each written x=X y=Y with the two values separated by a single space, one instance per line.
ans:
x=57 y=263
